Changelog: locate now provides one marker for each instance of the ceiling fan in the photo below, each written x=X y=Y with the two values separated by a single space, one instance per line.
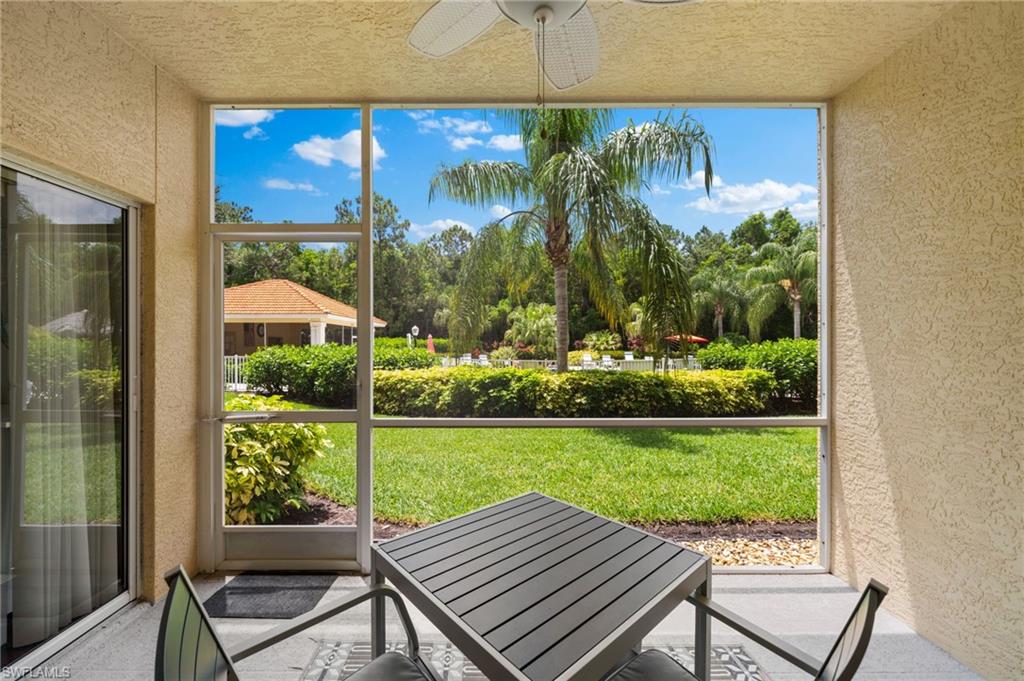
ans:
x=565 y=35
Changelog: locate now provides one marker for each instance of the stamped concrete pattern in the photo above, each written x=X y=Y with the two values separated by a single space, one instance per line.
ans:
x=928 y=472
x=807 y=610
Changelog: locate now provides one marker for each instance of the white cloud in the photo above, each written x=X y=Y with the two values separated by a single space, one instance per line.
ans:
x=499 y=211
x=657 y=190
x=766 y=195
x=463 y=143
x=355 y=174
x=460 y=132
x=255 y=132
x=324 y=150
x=505 y=142
x=435 y=227
x=806 y=210
x=241 y=118
x=696 y=181
x=288 y=185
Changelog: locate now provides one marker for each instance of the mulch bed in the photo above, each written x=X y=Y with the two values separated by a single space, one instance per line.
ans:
x=756 y=543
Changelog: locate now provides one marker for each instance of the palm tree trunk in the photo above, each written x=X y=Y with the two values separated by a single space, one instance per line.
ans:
x=796 y=318
x=562 y=317
x=719 y=319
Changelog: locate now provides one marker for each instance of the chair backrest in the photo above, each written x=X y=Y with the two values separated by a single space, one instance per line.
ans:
x=846 y=655
x=188 y=646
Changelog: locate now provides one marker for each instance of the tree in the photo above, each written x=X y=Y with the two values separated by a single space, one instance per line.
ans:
x=229 y=211
x=753 y=232
x=783 y=227
x=579 y=186
x=786 y=275
x=717 y=290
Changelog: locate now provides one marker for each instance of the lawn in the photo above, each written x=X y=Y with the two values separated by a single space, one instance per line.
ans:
x=423 y=475
x=640 y=476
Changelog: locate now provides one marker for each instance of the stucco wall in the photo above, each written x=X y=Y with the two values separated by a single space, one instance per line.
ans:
x=928 y=197
x=78 y=100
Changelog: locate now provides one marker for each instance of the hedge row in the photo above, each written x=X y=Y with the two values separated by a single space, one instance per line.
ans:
x=792 y=362
x=322 y=374
x=441 y=345
x=473 y=391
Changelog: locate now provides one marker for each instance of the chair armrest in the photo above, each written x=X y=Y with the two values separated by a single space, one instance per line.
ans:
x=317 y=615
x=786 y=651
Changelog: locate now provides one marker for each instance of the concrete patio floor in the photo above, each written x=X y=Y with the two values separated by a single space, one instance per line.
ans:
x=807 y=610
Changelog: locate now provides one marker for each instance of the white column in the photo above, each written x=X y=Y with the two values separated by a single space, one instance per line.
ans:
x=317 y=333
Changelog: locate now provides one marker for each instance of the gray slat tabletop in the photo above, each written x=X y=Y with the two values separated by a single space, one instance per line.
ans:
x=536 y=589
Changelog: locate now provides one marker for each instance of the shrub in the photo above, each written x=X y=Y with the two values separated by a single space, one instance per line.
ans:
x=474 y=391
x=793 y=363
x=263 y=462
x=399 y=342
x=505 y=352
x=99 y=388
x=736 y=339
x=602 y=341
x=722 y=356
x=323 y=374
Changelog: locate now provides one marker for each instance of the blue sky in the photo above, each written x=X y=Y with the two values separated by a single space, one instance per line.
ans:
x=297 y=164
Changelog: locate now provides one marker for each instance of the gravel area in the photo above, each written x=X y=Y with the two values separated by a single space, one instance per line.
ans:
x=777 y=544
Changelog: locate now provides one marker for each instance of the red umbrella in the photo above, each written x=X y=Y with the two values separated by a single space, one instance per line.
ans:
x=430 y=343
x=688 y=338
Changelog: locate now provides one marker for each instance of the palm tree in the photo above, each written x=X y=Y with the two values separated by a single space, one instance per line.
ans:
x=579 y=182
x=787 y=275
x=717 y=290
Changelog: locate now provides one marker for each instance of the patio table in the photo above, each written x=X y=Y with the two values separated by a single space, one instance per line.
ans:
x=535 y=589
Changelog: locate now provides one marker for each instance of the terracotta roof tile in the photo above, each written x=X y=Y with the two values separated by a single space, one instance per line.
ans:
x=281 y=296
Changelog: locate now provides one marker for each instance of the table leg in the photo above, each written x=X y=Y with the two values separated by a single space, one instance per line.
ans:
x=702 y=644
x=378 y=632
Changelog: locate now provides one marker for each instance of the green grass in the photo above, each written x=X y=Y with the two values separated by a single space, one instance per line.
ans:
x=423 y=475
x=72 y=474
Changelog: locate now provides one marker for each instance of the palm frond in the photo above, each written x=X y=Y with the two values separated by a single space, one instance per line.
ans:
x=483 y=183
x=663 y=148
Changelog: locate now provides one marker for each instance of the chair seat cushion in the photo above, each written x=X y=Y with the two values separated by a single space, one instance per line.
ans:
x=390 y=667
x=652 y=665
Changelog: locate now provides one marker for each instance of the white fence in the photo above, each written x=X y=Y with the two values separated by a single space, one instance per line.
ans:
x=234 y=377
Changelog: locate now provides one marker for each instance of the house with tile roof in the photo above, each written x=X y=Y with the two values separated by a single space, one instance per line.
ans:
x=281 y=312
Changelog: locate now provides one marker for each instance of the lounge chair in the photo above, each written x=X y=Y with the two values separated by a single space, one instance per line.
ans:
x=188 y=646
x=588 y=361
x=840 y=665
x=629 y=357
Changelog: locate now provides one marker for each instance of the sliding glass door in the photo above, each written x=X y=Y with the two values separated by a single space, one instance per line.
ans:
x=65 y=424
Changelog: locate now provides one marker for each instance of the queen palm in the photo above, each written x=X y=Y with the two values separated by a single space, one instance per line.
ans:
x=717 y=290
x=786 y=275
x=578 y=185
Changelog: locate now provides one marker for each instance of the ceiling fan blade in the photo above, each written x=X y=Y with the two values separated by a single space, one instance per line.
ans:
x=451 y=24
x=571 y=50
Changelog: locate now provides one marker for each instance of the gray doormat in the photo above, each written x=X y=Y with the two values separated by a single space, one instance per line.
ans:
x=337 y=660
x=269 y=595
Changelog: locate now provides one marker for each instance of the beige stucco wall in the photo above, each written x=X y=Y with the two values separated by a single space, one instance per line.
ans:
x=928 y=196
x=77 y=99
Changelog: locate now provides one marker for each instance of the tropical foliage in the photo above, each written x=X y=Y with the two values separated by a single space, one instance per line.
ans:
x=263 y=462
x=577 y=193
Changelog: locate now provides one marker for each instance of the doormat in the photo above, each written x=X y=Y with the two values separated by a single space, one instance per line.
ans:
x=269 y=595
x=338 y=660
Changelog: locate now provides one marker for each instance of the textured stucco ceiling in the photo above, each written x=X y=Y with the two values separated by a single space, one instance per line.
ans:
x=715 y=50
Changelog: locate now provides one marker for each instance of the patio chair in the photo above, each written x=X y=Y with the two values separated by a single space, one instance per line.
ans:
x=588 y=361
x=840 y=665
x=629 y=356
x=188 y=646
